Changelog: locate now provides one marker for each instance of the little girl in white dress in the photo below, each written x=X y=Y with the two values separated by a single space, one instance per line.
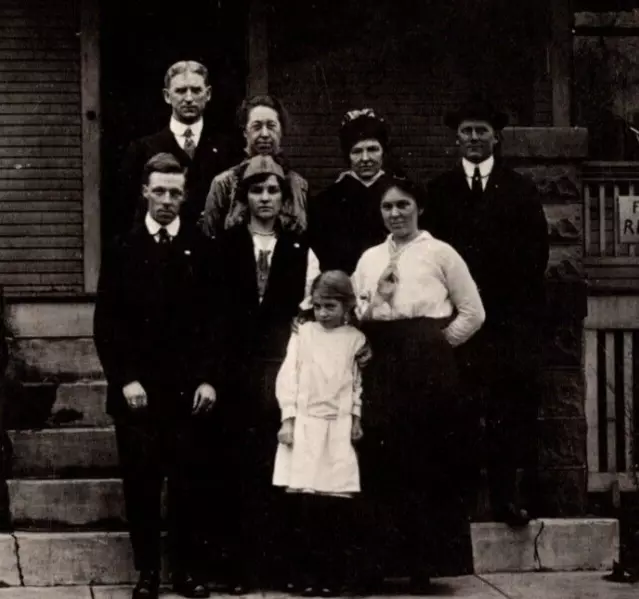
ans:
x=319 y=392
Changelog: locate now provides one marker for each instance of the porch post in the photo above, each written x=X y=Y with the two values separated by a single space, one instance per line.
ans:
x=90 y=74
x=552 y=157
x=257 y=80
x=561 y=22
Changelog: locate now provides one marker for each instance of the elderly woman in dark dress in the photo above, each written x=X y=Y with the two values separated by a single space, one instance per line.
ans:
x=344 y=219
x=416 y=301
x=268 y=271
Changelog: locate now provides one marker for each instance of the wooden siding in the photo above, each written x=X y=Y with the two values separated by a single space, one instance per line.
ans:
x=41 y=218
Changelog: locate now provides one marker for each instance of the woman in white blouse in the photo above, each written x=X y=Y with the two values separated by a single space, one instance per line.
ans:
x=416 y=302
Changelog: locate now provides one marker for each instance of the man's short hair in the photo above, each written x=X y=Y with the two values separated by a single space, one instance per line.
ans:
x=186 y=66
x=162 y=163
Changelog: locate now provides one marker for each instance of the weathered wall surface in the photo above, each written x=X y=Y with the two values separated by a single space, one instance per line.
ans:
x=552 y=157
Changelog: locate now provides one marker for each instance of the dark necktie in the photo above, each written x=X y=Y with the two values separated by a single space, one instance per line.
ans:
x=262 y=272
x=189 y=144
x=163 y=237
x=477 y=188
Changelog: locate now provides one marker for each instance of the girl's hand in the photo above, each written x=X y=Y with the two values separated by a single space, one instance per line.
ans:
x=302 y=317
x=387 y=283
x=363 y=355
x=356 y=429
x=285 y=434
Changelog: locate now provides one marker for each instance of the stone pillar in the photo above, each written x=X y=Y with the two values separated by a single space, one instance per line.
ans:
x=552 y=158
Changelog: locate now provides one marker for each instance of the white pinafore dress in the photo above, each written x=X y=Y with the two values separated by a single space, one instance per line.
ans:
x=319 y=384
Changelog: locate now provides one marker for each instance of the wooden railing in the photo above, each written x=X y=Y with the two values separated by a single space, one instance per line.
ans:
x=612 y=401
x=611 y=335
x=611 y=265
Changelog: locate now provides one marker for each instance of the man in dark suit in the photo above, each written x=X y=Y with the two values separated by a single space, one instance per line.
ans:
x=199 y=149
x=492 y=216
x=156 y=333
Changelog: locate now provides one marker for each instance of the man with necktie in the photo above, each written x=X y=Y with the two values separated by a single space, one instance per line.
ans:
x=493 y=217
x=156 y=330
x=200 y=150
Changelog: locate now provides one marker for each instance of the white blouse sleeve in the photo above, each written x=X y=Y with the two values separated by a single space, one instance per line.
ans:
x=312 y=272
x=369 y=306
x=464 y=294
x=286 y=383
x=361 y=345
x=362 y=298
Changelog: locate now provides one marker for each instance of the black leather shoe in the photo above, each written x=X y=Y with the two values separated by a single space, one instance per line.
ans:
x=369 y=585
x=420 y=585
x=513 y=515
x=240 y=588
x=148 y=585
x=328 y=590
x=293 y=587
x=188 y=586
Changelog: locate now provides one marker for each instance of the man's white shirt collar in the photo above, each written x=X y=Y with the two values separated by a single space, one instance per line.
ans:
x=153 y=227
x=178 y=129
x=485 y=168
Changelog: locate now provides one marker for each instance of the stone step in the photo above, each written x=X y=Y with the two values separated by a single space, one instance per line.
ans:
x=65 y=452
x=561 y=544
x=74 y=558
x=51 y=404
x=51 y=559
x=63 y=504
x=81 y=403
x=64 y=358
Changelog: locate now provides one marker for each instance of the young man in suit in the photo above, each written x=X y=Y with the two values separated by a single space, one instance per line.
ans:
x=157 y=337
x=493 y=217
x=200 y=150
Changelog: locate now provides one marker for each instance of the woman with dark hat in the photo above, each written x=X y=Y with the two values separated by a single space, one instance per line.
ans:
x=267 y=273
x=344 y=219
x=416 y=301
x=493 y=217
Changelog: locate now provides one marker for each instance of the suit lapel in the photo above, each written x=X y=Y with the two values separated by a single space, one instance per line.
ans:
x=168 y=139
x=206 y=148
x=497 y=191
x=278 y=264
x=244 y=253
x=493 y=183
x=460 y=185
x=145 y=265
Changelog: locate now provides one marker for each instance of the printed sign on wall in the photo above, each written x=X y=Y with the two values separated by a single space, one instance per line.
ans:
x=628 y=219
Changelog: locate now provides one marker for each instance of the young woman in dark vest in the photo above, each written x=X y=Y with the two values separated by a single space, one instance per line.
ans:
x=268 y=271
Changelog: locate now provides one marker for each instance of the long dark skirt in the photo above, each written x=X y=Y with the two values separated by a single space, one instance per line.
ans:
x=412 y=452
x=254 y=507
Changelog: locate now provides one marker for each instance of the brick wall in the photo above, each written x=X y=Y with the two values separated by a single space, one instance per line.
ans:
x=410 y=67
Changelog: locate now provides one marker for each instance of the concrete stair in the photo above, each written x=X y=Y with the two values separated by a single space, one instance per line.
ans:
x=67 y=509
x=64 y=452
x=67 y=504
x=98 y=557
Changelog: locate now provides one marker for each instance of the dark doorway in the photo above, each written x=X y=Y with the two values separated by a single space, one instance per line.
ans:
x=139 y=40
